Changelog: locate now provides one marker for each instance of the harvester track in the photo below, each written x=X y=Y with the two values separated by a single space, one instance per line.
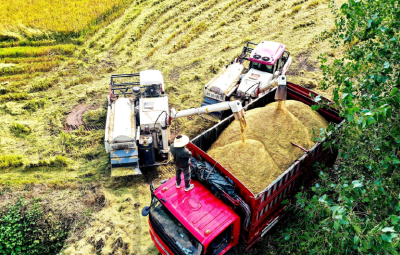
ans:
x=86 y=127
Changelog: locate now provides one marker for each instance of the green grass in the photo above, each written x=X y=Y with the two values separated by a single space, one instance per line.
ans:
x=43 y=85
x=118 y=37
x=29 y=68
x=304 y=24
x=7 y=161
x=16 y=52
x=295 y=9
x=8 y=44
x=34 y=104
x=298 y=3
x=14 y=97
x=20 y=129
x=79 y=80
x=19 y=77
x=26 y=60
x=95 y=117
x=314 y=3
x=58 y=161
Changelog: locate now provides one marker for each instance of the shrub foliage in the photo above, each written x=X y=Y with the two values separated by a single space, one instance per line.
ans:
x=26 y=229
x=355 y=208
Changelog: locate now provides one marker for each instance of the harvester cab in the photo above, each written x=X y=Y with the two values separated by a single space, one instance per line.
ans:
x=137 y=132
x=266 y=62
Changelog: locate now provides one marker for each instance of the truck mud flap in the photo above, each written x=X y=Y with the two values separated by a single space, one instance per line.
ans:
x=122 y=158
x=124 y=163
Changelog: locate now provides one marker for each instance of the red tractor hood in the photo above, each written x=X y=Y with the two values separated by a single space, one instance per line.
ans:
x=198 y=210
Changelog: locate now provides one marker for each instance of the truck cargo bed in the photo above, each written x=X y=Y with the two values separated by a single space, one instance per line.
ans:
x=266 y=207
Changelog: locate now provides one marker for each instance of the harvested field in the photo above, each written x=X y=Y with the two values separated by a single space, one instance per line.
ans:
x=267 y=150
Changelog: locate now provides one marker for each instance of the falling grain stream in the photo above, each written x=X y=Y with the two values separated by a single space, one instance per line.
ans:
x=243 y=125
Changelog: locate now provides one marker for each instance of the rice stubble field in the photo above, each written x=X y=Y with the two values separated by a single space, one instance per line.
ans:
x=43 y=78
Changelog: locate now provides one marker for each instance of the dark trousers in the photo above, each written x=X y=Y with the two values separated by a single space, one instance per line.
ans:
x=186 y=174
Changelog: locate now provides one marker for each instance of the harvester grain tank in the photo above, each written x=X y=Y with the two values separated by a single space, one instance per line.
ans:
x=221 y=210
x=266 y=62
x=137 y=132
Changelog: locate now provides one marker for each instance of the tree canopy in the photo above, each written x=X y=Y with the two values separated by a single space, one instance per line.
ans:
x=355 y=207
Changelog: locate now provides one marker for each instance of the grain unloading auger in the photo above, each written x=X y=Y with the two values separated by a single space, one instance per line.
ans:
x=138 y=121
x=267 y=62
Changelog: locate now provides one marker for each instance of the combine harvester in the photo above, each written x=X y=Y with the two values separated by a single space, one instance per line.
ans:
x=137 y=132
x=217 y=214
x=267 y=61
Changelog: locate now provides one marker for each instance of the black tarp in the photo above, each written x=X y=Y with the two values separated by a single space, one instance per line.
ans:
x=204 y=171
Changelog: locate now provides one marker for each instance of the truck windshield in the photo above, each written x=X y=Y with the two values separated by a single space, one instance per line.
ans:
x=262 y=67
x=172 y=232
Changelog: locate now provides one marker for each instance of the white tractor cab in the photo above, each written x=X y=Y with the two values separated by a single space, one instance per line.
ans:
x=137 y=132
x=267 y=61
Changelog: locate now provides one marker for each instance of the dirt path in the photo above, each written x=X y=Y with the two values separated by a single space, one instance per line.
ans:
x=75 y=116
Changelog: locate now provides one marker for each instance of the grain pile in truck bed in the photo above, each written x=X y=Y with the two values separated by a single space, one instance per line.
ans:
x=267 y=151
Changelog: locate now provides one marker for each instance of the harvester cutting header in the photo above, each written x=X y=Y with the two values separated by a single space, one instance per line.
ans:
x=267 y=62
x=138 y=121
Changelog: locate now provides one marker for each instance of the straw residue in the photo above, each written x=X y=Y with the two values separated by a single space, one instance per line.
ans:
x=267 y=151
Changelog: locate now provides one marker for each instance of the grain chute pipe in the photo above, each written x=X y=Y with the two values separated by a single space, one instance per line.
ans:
x=281 y=91
x=235 y=106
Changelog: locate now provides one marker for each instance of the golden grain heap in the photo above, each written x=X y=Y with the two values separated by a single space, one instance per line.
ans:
x=267 y=151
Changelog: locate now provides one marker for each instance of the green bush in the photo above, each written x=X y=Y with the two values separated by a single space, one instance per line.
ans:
x=25 y=229
x=19 y=129
x=354 y=208
x=7 y=161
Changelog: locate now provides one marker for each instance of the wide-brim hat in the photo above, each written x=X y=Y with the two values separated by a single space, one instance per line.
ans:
x=181 y=141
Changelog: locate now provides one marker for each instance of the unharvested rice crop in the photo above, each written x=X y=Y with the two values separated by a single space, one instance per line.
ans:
x=267 y=150
x=53 y=15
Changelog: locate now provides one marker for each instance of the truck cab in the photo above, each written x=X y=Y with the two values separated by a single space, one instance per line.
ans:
x=191 y=223
x=267 y=61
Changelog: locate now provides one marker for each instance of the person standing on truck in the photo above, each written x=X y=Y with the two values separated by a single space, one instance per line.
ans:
x=181 y=159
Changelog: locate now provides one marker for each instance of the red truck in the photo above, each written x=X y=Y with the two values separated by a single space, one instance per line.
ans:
x=212 y=220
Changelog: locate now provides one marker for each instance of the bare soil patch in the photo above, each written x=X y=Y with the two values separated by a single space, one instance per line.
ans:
x=303 y=64
x=74 y=118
